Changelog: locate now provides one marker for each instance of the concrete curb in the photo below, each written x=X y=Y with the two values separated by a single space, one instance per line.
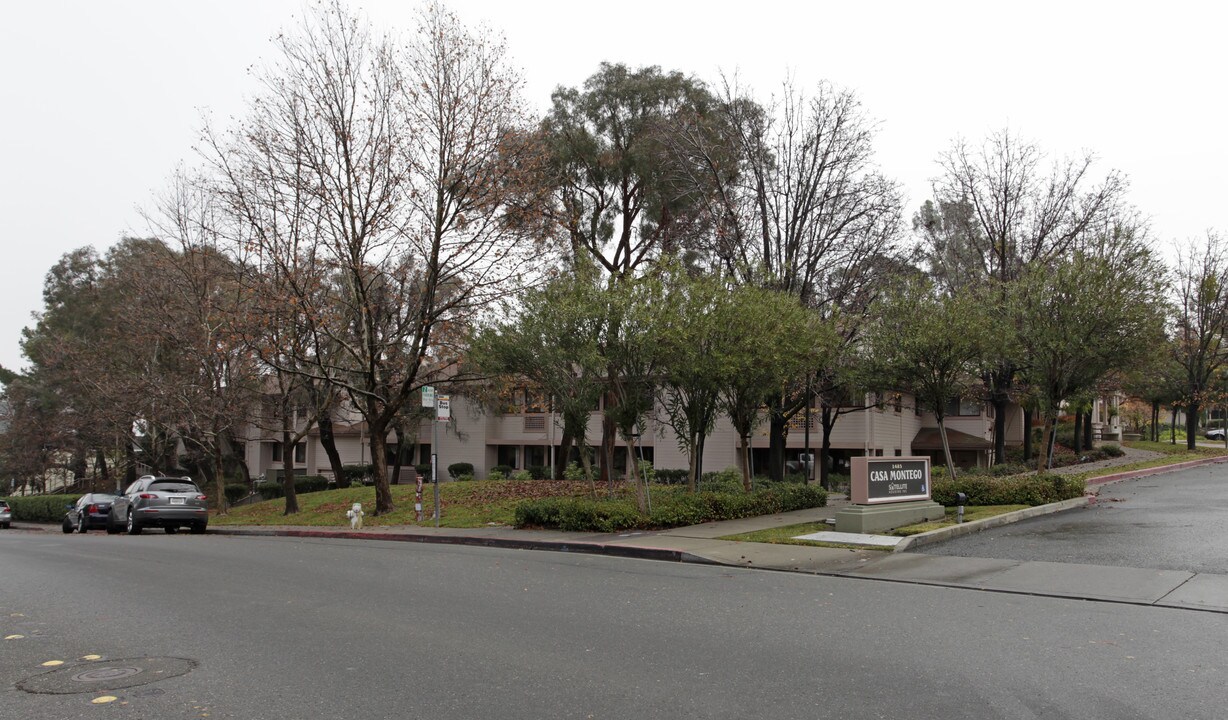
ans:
x=946 y=533
x=1094 y=485
x=590 y=548
x=1159 y=469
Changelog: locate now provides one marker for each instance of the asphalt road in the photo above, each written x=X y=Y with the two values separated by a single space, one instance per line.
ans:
x=286 y=629
x=1173 y=521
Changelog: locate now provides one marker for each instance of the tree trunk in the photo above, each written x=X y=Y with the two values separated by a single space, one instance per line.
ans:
x=634 y=476
x=1027 y=436
x=745 y=462
x=778 y=435
x=1154 y=435
x=1042 y=457
x=329 y=442
x=1191 y=425
x=699 y=462
x=999 y=402
x=608 y=438
x=946 y=447
x=1078 y=432
x=564 y=454
x=1087 y=430
x=287 y=465
x=587 y=463
x=828 y=420
x=396 y=460
x=1172 y=428
x=692 y=478
x=129 y=465
x=378 y=442
x=219 y=477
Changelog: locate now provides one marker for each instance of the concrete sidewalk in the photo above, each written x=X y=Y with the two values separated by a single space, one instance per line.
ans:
x=700 y=544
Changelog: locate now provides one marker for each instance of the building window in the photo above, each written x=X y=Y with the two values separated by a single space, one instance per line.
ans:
x=300 y=452
x=961 y=406
x=508 y=455
x=534 y=455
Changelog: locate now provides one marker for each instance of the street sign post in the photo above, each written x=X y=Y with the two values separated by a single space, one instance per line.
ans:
x=428 y=396
x=443 y=413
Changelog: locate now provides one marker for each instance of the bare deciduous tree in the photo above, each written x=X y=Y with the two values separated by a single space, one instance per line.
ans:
x=374 y=174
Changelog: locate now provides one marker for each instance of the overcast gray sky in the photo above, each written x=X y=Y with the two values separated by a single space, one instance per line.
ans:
x=104 y=98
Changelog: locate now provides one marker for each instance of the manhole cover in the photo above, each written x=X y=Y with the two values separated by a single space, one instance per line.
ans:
x=107 y=675
x=104 y=674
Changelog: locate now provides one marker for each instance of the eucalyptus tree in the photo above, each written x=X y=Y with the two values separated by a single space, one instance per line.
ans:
x=611 y=190
x=1199 y=323
x=377 y=172
x=1000 y=214
x=931 y=343
x=797 y=205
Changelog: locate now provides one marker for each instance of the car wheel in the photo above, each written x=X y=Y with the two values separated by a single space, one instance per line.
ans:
x=198 y=528
x=171 y=529
x=134 y=527
x=66 y=526
x=112 y=528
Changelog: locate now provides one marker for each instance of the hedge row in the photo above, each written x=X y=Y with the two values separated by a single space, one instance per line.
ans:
x=1018 y=490
x=668 y=510
x=302 y=484
x=40 y=508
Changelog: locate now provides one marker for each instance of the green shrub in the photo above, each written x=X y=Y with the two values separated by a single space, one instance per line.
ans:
x=424 y=471
x=302 y=484
x=539 y=472
x=40 y=508
x=668 y=509
x=362 y=474
x=504 y=470
x=573 y=472
x=464 y=478
x=1018 y=490
x=1112 y=450
x=495 y=475
x=235 y=492
x=522 y=475
x=455 y=470
x=671 y=476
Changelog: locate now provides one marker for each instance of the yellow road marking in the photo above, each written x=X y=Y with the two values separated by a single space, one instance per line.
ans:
x=103 y=700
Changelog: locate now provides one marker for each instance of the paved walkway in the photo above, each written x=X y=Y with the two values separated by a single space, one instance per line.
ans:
x=701 y=544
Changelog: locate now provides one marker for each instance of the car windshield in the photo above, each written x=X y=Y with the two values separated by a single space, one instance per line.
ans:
x=173 y=486
x=101 y=497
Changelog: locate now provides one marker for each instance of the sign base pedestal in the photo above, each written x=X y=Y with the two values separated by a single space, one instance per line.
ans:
x=870 y=519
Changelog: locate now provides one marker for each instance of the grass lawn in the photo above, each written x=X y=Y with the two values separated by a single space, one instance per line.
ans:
x=784 y=535
x=1171 y=455
x=465 y=504
x=971 y=512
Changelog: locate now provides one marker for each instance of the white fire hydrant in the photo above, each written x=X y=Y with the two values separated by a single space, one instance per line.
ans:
x=355 y=515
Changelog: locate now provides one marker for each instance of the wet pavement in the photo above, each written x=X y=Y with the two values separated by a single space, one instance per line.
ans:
x=1170 y=521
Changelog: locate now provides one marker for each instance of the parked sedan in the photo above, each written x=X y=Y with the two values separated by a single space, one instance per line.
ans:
x=166 y=502
x=6 y=515
x=1215 y=434
x=90 y=511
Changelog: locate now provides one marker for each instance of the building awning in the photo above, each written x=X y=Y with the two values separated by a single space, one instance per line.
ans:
x=929 y=439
